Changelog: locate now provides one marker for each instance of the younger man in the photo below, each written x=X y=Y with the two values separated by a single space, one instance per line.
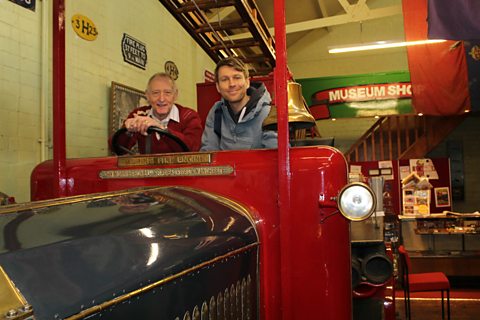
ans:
x=235 y=122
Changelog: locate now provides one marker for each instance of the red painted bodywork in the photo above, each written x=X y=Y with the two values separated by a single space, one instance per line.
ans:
x=319 y=249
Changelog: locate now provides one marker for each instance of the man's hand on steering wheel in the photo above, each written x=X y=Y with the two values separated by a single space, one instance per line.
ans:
x=141 y=124
x=120 y=150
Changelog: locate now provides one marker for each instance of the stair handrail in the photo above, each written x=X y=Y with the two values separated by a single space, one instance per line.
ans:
x=363 y=138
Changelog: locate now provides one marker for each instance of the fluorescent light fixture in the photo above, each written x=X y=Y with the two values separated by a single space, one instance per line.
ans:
x=381 y=45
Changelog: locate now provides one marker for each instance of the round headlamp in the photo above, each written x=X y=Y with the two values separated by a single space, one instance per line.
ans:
x=356 y=201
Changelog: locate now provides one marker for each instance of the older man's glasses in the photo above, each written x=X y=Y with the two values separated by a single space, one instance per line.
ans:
x=164 y=93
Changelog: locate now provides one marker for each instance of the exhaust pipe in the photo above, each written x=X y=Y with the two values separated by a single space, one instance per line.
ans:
x=377 y=268
x=370 y=263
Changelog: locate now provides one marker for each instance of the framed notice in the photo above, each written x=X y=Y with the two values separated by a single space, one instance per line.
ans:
x=442 y=197
x=134 y=51
x=123 y=100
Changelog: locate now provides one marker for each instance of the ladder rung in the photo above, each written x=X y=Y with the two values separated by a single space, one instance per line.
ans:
x=242 y=43
x=205 y=5
x=217 y=26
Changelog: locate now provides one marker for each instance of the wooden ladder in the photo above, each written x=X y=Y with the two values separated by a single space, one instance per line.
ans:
x=242 y=32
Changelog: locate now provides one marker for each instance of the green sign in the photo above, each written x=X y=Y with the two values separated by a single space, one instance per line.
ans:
x=367 y=95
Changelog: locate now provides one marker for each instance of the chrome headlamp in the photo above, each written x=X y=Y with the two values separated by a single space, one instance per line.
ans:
x=356 y=201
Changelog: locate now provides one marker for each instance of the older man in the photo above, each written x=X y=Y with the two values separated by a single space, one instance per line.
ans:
x=164 y=113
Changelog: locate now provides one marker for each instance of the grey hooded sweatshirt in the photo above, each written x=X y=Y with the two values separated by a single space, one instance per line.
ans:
x=244 y=133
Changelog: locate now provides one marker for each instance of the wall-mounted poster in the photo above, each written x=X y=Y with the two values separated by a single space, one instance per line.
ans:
x=416 y=202
x=423 y=168
x=442 y=197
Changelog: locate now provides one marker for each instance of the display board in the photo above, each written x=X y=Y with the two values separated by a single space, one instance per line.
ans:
x=437 y=170
x=391 y=187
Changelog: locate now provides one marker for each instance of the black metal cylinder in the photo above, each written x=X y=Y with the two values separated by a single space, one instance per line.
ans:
x=377 y=268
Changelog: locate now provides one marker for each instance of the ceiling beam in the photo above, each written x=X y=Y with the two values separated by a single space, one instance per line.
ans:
x=323 y=8
x=344 y=19
x=335 y=20
x=346 y=6
x=359 y=9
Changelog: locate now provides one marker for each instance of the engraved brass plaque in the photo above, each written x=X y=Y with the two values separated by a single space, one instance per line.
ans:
x=166 y=172
x=170 y=159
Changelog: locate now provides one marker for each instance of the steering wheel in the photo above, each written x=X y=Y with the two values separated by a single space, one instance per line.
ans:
x=119 y=149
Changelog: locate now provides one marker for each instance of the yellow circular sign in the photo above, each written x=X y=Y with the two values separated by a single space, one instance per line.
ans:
x=84 y=27
x=422 y=209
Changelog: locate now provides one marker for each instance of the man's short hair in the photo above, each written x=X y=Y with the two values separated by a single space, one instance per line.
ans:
x=162 y=75
x=234 y=63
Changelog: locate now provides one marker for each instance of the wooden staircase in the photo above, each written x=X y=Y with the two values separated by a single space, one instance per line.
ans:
x=217 y=24
x=402 y=137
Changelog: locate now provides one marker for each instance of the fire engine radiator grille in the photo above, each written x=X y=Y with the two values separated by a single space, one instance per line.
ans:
x=233 y=303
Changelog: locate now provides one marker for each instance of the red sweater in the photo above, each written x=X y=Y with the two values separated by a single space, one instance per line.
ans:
x=189 y=130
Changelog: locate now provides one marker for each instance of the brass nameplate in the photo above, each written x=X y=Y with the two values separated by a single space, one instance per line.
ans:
x=170 y=159
x=166 y=172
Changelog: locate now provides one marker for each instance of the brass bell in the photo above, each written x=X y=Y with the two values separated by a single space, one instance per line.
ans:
x=298 y=115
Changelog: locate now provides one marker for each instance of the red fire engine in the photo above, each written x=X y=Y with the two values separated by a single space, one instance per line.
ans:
x=258 y=234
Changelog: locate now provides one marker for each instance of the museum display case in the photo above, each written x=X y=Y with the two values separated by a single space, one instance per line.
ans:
x=448 y=242
x=442 y=234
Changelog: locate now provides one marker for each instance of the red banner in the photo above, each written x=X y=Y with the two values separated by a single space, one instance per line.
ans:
x=438 y=71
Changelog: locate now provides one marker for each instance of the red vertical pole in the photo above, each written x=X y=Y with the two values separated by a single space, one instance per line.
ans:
x=284 y=173
x=58 y=98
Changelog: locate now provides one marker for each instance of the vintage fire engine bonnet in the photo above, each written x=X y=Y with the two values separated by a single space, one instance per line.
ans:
x=127 y=255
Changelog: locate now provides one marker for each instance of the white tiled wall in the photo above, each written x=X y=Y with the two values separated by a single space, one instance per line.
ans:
x=20 y=56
